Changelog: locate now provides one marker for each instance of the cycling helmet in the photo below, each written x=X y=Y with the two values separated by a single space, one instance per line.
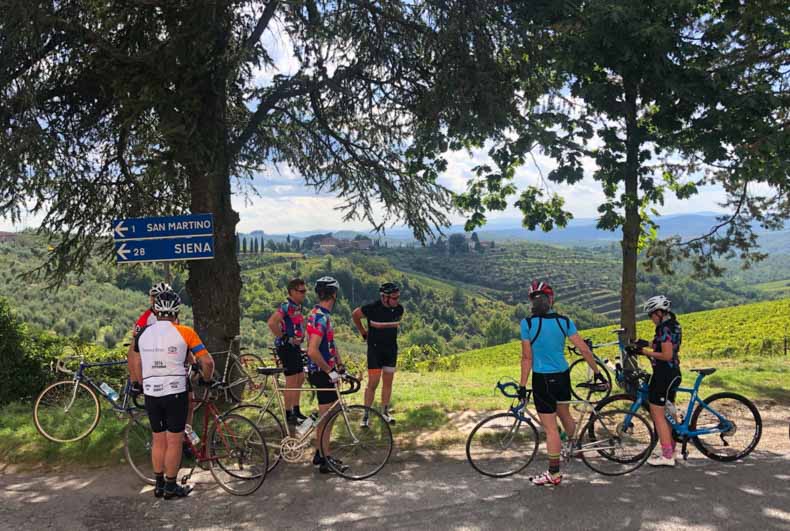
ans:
x=388 y=288
x=159 y=287
x=537 y=288
x=167 y=302
x=659 y=302
x=326 y=285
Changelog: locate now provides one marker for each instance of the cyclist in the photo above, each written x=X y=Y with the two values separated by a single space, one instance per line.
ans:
x=324 y=364
x=161 y=352
x=287 y=326
x=147 y=318
x=383 y=318
x=543 y=336
x=663 y=355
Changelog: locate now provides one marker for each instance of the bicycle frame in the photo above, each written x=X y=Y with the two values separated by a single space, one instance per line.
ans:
x=682 y=428
x=126 y=404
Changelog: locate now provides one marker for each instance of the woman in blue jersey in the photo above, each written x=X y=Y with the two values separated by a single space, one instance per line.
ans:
x=543 y=336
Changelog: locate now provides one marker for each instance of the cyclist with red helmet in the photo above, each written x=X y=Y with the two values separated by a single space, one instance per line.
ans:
x=543 y=336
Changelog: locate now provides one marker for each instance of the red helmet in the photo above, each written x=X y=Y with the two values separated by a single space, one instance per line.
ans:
x=537 y=287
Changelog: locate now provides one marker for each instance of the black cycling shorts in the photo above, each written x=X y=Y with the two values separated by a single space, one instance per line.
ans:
x=663 y=384
x=167 y=412
x=291 y=359
x=550 y=388
x=378 y=359
x=321 y=380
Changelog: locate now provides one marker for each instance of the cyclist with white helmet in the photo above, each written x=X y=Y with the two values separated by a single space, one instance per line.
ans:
x=543 y=336
x=664 y=357
x=147 y=318
x=162 y=352
x=323 y=365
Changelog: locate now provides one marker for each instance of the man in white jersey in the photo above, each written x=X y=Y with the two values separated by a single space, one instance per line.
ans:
x=162 y=353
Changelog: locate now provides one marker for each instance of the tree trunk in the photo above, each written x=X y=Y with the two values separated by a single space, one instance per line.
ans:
x=632 y=224
x=214 y=285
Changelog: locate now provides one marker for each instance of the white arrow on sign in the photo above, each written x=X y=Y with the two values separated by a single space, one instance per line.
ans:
x=120 y=229
x=123 y=251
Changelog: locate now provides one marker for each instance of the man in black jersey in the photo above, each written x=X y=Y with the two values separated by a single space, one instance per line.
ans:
x=383 y=318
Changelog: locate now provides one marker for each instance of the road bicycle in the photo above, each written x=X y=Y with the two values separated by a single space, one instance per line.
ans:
x=243 y=382
x=724 y=426
x=611 y=442
x=363 y=451
x=69 y=410
x=231 y=447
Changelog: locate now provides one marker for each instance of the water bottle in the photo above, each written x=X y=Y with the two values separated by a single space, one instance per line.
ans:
x=109 y=392
x=306 y=424
x=191 y=435
x=669 y=412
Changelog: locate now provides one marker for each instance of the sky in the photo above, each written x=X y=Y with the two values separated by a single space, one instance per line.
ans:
x=284 y=204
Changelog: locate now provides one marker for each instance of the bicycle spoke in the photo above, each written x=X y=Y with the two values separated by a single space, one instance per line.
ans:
x=501 y=445
x=66 y=411
x=363 y=450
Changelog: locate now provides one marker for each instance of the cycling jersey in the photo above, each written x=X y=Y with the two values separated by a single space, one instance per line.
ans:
x=382 y=338
x=292 y=324
x=319 y=324
x=668 y=330
x=163 y=349
x=546 y=334
x=147 y=318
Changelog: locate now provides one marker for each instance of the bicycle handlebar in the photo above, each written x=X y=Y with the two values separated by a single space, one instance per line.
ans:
x=355 y=386
x=59 y=365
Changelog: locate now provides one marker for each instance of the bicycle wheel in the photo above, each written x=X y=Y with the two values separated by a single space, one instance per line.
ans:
x=238 y=455
x=244 y=382
x=364 y=451
x=616 y=442
x=582 y=373
x=734 y=439
x=502 y=445
x=272 y=429
x=137 y=444
x=66 y=411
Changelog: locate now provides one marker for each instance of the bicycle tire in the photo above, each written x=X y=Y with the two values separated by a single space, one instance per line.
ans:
x=345 y=441
x=137 y=444
x=241 y=445
x=580 y=372
x=612 y=437
x=244 y=383
x=271 y=427
x=62 y=391
x=708 y=449
x=500 y=427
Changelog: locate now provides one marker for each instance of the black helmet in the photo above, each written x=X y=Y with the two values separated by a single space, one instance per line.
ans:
x=388 y=288
x=167 y=303
x=326 y=285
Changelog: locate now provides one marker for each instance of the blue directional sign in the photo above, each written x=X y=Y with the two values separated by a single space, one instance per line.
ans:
x=163 y=227
x=164 y=250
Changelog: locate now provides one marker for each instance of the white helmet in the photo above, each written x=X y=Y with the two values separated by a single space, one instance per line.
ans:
x=167 y=302
x=158 y=288
x=659 y=302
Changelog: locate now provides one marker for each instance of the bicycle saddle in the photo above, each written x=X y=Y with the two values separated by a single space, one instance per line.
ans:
x=270 y=370
x=705 y=372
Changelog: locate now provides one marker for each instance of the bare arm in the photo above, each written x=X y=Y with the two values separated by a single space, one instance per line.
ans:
x=274 y=323
x=526 y=361
x=356 y=316
x=135 y=366
x=206 y=363
x=586 y=353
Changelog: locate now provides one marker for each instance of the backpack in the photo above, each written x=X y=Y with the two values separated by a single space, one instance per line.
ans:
x=553 y=316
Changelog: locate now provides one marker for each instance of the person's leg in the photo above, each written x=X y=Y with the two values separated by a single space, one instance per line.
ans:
x=300 y=377
x=657 y=397
x=158 y=452
x=663 y=429
x=553 y=442
x=374 y=376
x=177 y=408
x=568 y=423
x=387 y=376
x=291 y=397
x=172 y=456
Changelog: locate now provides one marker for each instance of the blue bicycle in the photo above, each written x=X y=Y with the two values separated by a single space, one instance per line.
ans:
x=68 y=410
x=724 y=426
